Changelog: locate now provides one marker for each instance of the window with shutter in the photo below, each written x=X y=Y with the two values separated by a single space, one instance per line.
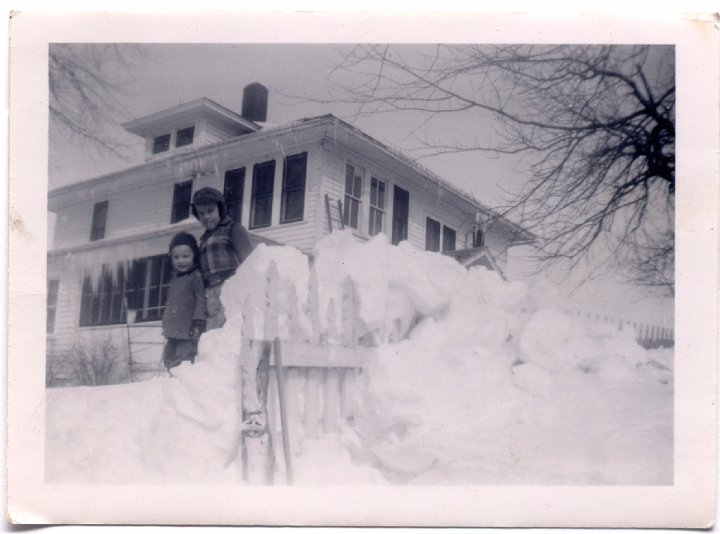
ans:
x=262 y=194
x=377 y=206
x=292 y=207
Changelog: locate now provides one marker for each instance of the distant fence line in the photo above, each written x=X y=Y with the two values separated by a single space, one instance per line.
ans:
x=648 y=335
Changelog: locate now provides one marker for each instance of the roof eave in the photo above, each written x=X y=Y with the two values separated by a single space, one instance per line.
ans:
x=524 y=236
x=203 y=105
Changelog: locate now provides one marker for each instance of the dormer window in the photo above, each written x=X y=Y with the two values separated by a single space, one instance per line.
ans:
x=161 y=143
x=184 y=137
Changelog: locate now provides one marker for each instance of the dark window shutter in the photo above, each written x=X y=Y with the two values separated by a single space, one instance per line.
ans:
x=233 y=191
x=99 y=220
x=262 y=193
x=182 y=196
x=448 y=239
x=401 y=213
x=478 y=238
x=293 y=190
x=432 y=235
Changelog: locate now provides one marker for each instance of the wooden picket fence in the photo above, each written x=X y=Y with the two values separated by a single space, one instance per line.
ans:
x=648 y=335
x=323 y=375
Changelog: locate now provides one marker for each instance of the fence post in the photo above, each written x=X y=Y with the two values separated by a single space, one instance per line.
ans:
x=314 y=305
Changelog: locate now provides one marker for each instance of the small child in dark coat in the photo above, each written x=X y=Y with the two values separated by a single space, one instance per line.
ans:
x=185 y=308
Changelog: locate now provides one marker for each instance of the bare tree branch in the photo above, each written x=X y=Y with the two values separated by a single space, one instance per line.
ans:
x=594 y=123
x=86 y=84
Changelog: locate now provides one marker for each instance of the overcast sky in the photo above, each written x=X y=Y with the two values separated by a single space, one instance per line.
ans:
x=161 y=76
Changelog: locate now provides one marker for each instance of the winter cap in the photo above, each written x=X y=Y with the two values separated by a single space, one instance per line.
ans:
x=208 y=195
x=183 y=238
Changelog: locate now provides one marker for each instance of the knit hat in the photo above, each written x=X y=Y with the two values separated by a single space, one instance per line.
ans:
x=208 y=195
x=183 y=238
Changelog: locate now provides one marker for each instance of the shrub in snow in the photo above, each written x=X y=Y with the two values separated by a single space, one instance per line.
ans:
x=95 y=362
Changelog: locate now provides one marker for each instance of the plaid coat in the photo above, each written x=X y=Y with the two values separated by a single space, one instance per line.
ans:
x=222 y=250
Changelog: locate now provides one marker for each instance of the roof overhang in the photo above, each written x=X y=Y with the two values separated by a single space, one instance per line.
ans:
x=333 y=130
x=398 y=162
x=479 y=256
x=189 y=112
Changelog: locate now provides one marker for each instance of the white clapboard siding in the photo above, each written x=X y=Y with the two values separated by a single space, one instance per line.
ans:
x=72 y=225
x=301 y=234
x=428 y=201
x=497 y=241
x=212 y=132
x=67 y=311
x=128 y=210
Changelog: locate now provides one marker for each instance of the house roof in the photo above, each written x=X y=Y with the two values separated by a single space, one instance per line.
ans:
x=519 y=234
x=334 y=125
x=471 y=257
x=203 y=107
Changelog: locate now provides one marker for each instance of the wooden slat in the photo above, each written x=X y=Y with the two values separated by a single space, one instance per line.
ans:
x=314 y=305
x=295 y=384
x=331 y=400
x=273 y=414
x=348 y=313
x=332 y=330
x=327 y=212
x=270 y=322
x=301 y=354
x=349 y=386
x=313 y=389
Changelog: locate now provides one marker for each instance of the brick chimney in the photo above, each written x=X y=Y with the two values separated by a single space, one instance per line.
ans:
x=255 y=102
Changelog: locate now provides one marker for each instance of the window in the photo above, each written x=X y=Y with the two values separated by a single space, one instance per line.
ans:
x=262 y=193
x=292 y=207
x=102 y=298
x=233 y=192
x=478 y=238
x=401 y=214
x=52 y=298
x=161 y=144
x=353 y=194
x=448 y=239
x=146 y=287
x=99 y=220
x=432 y=235
x=377 y=206
x=139 y=285
x=184 y=137
x=182 y=196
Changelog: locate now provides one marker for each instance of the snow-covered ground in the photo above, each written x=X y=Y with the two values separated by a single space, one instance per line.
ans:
x=473 y=381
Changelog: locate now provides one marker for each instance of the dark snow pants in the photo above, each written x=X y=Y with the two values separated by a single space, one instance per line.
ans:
x=178 y=351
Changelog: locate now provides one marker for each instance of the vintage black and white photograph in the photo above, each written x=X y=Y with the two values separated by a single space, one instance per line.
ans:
x=358 y=264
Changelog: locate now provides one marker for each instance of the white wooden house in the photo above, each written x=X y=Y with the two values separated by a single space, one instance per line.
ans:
x=290 y=184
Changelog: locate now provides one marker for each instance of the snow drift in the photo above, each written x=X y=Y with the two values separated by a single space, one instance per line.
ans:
x=473 y=382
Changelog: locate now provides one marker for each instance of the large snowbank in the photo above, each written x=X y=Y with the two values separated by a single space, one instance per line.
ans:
x=474 y=382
